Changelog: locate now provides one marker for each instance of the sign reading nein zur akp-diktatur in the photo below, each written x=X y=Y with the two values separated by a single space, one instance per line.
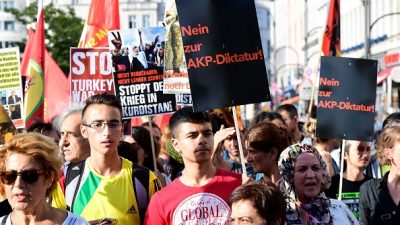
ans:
x=346 y=98
x=224 y=56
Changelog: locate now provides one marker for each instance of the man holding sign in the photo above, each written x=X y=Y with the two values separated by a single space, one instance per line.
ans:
x=202 y=187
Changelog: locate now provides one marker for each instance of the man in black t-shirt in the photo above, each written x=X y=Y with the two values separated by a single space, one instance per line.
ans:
x=357 y=155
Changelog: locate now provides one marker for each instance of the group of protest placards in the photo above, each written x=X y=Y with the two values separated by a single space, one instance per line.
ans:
x=208 y=62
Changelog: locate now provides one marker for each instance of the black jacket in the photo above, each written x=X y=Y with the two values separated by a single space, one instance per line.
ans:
x=376 y=204
x=5 y=208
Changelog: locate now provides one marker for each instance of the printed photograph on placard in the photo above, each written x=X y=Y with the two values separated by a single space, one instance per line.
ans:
x=138 y=71
x=11 y=85
x=176 y=79
x=7 y=127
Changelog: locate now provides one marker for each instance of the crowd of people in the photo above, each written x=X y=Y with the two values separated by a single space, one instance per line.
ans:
x=81 y=169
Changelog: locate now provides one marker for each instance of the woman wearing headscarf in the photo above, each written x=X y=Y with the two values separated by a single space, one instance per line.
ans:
x=30 y=166
x=304 y=178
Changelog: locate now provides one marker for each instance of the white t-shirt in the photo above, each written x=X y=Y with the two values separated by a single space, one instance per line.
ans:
x=71 y=219
x=341 y=215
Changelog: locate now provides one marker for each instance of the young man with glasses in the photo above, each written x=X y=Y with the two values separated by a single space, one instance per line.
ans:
x=105 y=187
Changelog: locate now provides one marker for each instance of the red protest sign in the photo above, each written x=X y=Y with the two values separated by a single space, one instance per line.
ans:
x=90 y=73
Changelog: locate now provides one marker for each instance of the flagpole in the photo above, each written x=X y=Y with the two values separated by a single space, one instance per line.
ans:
x=331 y=25
x=341 y=169
x=152 y=144
x=239 y=139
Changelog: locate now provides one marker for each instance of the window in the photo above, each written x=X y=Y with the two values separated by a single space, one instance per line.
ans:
x=132 y=21
x=9 y=44
x=146 y=21
x=6 y=4
x=9 y=25
x=74 y=2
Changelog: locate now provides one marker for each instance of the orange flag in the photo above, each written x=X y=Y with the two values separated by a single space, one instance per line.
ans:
x=34 y=86
x=103 y=16
x=331 y=38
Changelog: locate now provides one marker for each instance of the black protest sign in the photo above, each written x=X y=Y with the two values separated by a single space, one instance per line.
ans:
x=346 y=98
x=141 y=93
x=223 y=53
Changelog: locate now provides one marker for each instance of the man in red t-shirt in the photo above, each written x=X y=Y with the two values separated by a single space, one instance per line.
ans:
x=199 y=196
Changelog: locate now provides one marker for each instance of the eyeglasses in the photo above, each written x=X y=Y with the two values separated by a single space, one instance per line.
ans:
x=28 y=176
x=99 y=126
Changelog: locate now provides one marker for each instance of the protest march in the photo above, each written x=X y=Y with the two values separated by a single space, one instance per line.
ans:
x=187 y=121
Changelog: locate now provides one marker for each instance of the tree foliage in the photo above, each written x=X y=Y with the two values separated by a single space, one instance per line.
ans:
x=62 y=29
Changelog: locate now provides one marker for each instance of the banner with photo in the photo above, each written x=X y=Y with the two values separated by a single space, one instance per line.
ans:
x=11 y=85
x=138 y=73
x=7 y=127
x=91 y=73
x=176 y=80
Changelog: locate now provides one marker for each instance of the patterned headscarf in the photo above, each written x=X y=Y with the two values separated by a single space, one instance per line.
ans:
x=317 y=211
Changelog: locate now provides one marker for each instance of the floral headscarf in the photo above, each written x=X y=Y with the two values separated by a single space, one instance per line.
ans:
x=317 y=211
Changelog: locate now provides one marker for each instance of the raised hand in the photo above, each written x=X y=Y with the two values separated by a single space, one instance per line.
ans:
x=117 y=41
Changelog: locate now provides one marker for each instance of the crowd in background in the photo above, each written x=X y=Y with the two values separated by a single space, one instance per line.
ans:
x=93 y=171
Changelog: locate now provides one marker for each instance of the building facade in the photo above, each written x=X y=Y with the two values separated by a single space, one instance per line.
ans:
x=11 y=32
x=133 y=13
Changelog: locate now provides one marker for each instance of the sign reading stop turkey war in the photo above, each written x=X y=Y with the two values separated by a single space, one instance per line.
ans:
x=223 y=53
x=90 y=73
x=346 y=98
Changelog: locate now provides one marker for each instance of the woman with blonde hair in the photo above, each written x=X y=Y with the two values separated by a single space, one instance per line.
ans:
x=30 y=166
x=379 y=198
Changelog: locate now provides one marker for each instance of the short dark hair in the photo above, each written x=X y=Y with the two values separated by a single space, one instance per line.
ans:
x=392 y=118
x=186 y=115
x=289 y=108
x=265 y=135
x=103 y=98
x=47 y=129
x=267 y=199
x=267 y=116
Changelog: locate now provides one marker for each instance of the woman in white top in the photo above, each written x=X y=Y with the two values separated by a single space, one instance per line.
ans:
x=304 y=178
x=30 y=166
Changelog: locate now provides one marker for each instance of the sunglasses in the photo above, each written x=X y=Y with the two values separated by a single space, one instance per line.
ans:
x=28 y=176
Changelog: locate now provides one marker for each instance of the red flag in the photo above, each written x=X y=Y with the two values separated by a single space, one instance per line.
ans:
x=27 y=52
x=103 y=16
x=331 y=38
x=56 y=86
x=56 y=89
x=34 y=86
